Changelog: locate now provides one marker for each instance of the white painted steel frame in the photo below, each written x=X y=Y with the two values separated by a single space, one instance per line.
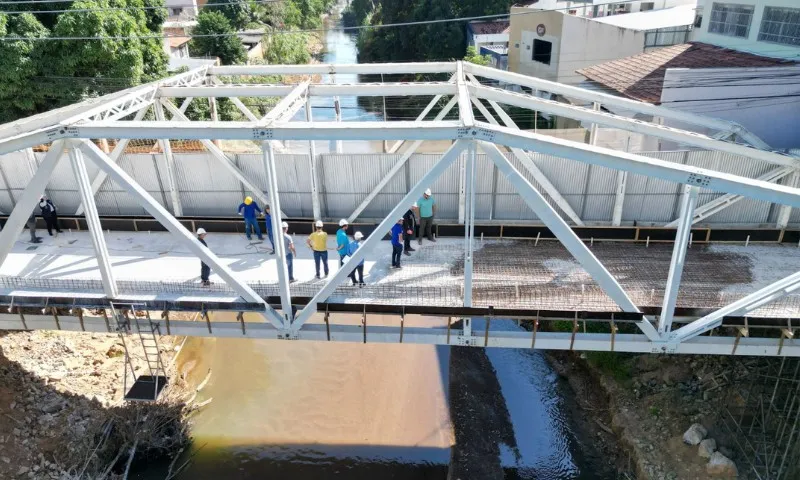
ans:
x=688 y=202
x=268 y=158
x=93 y=221
x=169 y=160
x=633 y=343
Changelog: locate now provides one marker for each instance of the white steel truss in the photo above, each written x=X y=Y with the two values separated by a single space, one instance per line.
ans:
x=120 y=116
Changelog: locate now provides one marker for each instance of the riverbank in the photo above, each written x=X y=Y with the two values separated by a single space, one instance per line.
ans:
x=650 y=401
x=62 y=415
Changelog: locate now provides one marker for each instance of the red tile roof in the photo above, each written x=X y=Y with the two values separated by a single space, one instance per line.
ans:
x=488 y=28
x=641 y=76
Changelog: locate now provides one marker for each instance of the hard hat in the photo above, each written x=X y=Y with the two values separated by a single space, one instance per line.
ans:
x=284 y=225
x=358 y=236
x=415 y=205
x=201 y=231
x=428 y=192
x=343 y=222
x=318 y=224
x=248 y=200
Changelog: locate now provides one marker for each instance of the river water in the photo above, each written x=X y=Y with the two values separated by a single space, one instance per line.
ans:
x=309 y=410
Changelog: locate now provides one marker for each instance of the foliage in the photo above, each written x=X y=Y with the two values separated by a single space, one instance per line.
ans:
x=269 y=13
x=19 y=92
x=228 y=48
x=238 y=12
x=357 y=12
x=439 y=41
x=306 y=14
x=472 y=56
x=287 y=48
x=617 y=365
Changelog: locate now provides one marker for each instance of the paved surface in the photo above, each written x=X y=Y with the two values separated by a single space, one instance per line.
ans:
x=508 y=273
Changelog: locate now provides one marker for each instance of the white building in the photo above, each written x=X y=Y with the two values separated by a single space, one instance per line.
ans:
x=764 y=27
x=481 y=34
x=603 y=8
x=182 y=8
x=669 y=26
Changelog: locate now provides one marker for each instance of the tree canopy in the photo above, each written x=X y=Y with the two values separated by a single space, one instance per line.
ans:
x=473 y=56
x=228 y=47
x=238 y=12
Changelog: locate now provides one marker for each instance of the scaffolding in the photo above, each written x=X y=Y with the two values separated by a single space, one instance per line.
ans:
x=762 y=418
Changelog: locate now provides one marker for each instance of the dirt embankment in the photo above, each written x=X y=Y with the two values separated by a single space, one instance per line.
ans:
x=61 y=410
x=651 y=400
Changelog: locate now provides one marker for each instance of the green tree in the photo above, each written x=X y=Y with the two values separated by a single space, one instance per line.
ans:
x=238 y=12
x=472 y=56
x=287 y=48
x=20 y=94
x=122 y=54
x=227 y=47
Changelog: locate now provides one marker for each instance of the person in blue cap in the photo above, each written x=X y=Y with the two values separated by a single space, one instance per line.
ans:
x=249 y=210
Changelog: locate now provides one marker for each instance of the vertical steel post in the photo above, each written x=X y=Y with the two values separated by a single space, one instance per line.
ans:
x=785 y=211
x=336 y=145
x=678 y=259
x=312 y=161
x=28 y=200
x=172 y=179
x=469 y=227
x=619 y=198
x=462 y=189
x=93 y=222
x=593 y=130
x=268 y=156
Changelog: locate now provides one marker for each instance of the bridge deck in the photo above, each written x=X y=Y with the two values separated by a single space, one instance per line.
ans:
x=507 y=273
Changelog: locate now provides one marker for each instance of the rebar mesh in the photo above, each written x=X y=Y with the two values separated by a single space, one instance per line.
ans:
x=509 y=274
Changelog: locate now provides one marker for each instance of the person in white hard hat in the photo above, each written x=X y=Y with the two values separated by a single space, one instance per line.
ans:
x=205 y=270
x=426 y=207
x=351 y=250
x=318 y=242
x=288 y=244
x=409 y=226
x=342 y=241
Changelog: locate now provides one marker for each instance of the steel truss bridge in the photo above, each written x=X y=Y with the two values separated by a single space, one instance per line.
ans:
x=731 y=330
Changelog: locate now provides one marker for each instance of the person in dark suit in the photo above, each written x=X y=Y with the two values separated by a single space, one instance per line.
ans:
x=409 y=227
x=205 y=270
x=49 y=214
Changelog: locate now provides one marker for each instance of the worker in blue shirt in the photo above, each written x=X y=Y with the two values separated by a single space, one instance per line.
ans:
x=342 y=241
x=268 y=219
x=351 y=250
x=397 y=243
x=250 y=209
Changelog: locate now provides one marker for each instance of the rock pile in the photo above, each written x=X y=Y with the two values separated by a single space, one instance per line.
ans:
x=718 y=466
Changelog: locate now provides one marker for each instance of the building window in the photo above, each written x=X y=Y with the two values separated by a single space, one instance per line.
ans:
x=542 y=51
x=730 y=19
x=176 y=11
x=780 y=25
x=647 y=6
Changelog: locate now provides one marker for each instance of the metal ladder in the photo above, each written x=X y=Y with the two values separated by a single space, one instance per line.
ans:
x=145 y=387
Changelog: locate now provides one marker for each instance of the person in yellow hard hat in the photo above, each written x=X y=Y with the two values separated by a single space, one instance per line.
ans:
x=249 y=210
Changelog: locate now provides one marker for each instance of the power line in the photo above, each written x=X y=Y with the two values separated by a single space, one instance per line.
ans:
x=107 y=9
x=319 y=30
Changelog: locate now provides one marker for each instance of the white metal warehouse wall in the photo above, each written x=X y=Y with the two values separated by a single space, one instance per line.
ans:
x=207 y=189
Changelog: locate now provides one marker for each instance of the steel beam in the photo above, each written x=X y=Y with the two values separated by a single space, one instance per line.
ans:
x=268 y=157
x=312 y=166
x=29 y=199
x=741 y=307
x=463 y=96
x=698 y=177
x=412 y=149
x=176 y=228
x=333 y=69
x=619 y=198
x=785 y=211
x=291 y=102
x=721 y=203
x=93 y=221
x=172 y=175
x=568 y=238
x=317 y=90
x=119 y=149
x=469 y=228
x=377 y=235
x=529 y=165
x=678 y=259
x=420 y=117
x=340 y=332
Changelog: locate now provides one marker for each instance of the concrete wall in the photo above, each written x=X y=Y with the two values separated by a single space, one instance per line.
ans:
x=766 y=101
x=577 y=43
x=751 y=43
